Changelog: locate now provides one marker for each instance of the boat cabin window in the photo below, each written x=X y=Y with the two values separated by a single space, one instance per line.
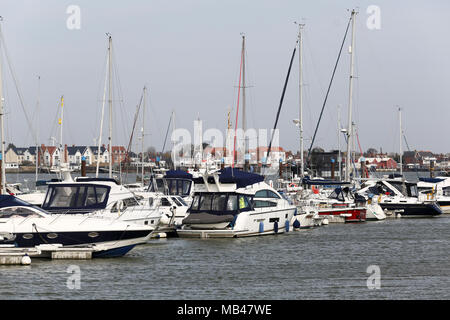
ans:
x=244 y=203
x=399 y=187
x=205 y=202
x=178 y=203
x=412 y=190
x=75 y=196
x=220 y=203
x=232 y=202
x=383 y=189
x=181 y=200
x=446 y=191
x=266 y=194
x=156 y=185
x=179 y=187
x=373 y=190
x=165 y=202
x=128 y=202
x=11 y=212
x=263 y=204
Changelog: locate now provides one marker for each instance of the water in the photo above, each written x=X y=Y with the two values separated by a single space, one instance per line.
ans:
x=329 y=262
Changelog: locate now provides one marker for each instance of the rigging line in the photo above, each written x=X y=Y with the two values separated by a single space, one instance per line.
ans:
x=136 y=117
x=2 y=40
x=55 y=120
x=281 y=101
x=360 y=150
x=329 y=87
x=167 y=133
x=415 y=155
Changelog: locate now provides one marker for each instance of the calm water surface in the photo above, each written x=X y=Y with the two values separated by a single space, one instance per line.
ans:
x=329 y=262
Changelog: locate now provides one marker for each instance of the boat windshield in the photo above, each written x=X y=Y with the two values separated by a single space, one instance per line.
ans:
x=76 y=196
x=179 y=187
x=337 y=194
x=171 y=186
x=412 y=191
x=397 y=186
x=220 y=203
x=156 y=185
x=181 y=200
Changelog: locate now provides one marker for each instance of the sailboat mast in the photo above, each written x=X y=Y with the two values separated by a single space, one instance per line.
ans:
x=101 y=121
x=3 y=173
x=300 y=46
x=110 y=106
x=246 y=162
x=61 y=149
x=401 y=133
x=173 y=142
x=37 y=129
x=143 y=122
x=348 y=166
x=339 y=143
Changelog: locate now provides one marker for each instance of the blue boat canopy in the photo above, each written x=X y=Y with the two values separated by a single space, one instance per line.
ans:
x=241 y=178
x=178 y=174
x=7 y=200
x=234 y=175
x=321 y=182
x=431 y=180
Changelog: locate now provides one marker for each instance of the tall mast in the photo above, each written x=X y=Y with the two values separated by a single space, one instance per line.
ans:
x=101 y=120
x=300 y=45
x=110 y=106
x=37 y=127
x=173 y=143
x=61 y=149
x=243 y=104
x=348 y=166
x=143 y=122
x=3 y=173
x=339 y=143
x=401 y=133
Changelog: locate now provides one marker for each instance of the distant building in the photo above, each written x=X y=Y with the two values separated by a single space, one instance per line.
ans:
x=379 y=162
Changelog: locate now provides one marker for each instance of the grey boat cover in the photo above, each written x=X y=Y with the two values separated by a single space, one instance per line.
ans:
x=207 y=218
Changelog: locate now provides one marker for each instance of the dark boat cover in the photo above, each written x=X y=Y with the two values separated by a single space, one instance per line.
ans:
x=11 y=201
x=234 y=175
x=178 y=174
x=207 y=218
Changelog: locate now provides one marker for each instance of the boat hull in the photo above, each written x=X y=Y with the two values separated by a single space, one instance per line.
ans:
x=106 y=244
x=245 y=225
x=417 y=210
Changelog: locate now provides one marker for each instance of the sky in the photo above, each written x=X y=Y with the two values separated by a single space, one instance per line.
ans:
x=187 y=53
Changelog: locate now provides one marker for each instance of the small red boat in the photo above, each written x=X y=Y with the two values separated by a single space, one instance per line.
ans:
x=343 y=210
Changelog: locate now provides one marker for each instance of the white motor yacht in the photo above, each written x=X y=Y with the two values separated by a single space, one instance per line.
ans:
x=233 y=203
x=23 y=225
x=436 y=188
x=102 y=197
x=398 y=197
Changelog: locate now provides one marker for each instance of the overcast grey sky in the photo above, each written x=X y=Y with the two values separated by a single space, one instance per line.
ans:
x=188 y=52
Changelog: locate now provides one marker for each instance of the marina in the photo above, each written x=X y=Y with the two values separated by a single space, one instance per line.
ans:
x=259 y=200
x=329 y=262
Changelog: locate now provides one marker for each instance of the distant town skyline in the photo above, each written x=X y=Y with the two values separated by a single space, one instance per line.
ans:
x=187 y=55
